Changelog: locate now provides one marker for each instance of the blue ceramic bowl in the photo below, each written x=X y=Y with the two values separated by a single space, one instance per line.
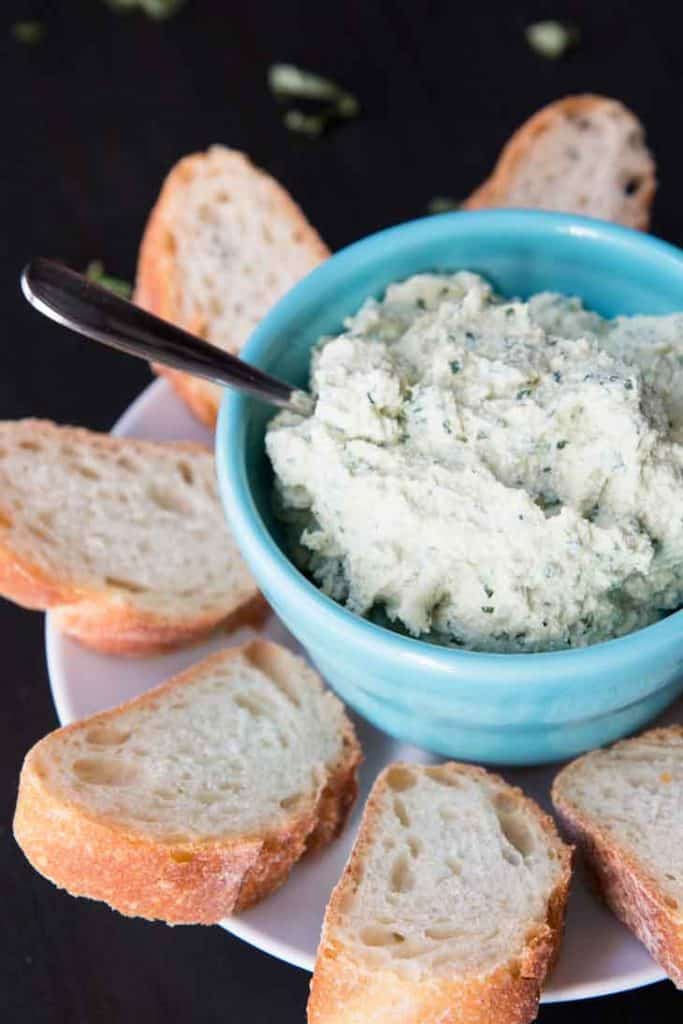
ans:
x=500 y=708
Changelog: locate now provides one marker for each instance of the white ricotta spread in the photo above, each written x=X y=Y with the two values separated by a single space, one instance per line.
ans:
x=500 y=475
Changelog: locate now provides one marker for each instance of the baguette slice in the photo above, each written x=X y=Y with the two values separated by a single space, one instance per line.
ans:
x=224 y=242
x=125 y=541
x=582 y=154
x=624 y=806
x=193 y=801
x=450 y=908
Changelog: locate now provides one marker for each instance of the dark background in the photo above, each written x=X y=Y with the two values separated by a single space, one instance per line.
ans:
x=93 y=117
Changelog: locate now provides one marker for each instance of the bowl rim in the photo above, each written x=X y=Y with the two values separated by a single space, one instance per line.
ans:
x=257 y=542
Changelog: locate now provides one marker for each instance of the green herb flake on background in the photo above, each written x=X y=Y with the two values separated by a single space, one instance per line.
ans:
x=30 y=33
x=287 y=81
x=305 y=124
x=551 y=39
x=329 y=102
x=95 y=273
x=157 y=9
x=443 y=204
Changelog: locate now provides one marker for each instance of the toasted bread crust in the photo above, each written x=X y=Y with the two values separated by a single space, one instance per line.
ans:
x=97 y=618
x=627 y=887
x=344 y=990
x=101 y=625
x=26 y=584
x=180 y=882
x=493 y=192
x=202 y=398
x=158 y=288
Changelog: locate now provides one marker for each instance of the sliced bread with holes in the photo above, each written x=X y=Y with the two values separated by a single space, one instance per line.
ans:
x=450 y=909
x=624 y=807
x=124 y=541
x=223 y=243
x=193 y=801
x=581 y=154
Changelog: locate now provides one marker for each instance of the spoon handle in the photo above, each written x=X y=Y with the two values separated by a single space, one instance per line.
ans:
x=74 y=301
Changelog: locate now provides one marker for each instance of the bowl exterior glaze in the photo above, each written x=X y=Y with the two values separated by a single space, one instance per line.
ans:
x=496 y=708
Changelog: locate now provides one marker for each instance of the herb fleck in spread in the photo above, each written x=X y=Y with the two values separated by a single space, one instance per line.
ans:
x=464 y=446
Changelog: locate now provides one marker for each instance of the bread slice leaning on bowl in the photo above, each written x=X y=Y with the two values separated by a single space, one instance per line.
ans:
x=223 y=243
x=124 y=541
x=193 y=801
x=581 y=154
x=450 y=909
x=624 y=808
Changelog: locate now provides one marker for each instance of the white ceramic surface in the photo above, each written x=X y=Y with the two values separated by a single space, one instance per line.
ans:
x=599 y=956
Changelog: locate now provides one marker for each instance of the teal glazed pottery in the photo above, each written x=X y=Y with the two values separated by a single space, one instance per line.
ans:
x=496 y=708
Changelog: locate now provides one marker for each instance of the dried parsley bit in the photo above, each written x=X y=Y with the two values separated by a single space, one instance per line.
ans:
x=443 y=204
x=95 y=273
x=306 y=124
x=548 y=502
x=552 y=39
x=157 y=9
x=488 y=609
x=561 y=444
x=288 y=82
x=28 y=32
x=455 y=366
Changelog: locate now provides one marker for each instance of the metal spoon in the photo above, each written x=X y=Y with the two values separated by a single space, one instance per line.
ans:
x=74 y=301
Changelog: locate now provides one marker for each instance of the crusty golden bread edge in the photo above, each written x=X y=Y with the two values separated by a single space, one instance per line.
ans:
x=494 y=190
x=103 y=626
x=628 y=888
x=96 y=618
x=202 y=398
x=180 y=882
x=344 y=990
x=158 y=290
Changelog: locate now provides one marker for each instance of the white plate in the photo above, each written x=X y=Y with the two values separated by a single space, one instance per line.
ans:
x=599 y=956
